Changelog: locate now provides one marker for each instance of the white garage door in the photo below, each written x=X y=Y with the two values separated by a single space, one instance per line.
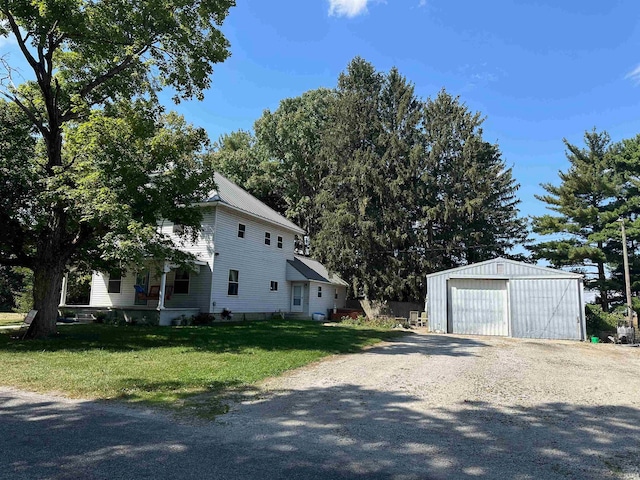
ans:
x=479 y=307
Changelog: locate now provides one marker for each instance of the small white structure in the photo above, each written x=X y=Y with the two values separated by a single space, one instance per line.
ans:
x=245 y=263
x=507 y=298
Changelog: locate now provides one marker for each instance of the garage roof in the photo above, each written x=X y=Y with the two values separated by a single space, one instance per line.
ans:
x=511 y=269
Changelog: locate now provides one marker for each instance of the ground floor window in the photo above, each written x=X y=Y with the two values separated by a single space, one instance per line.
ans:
x=115 y=282
x=274 y=286
x=233 y=282
x=181 y=282
x=319 y=292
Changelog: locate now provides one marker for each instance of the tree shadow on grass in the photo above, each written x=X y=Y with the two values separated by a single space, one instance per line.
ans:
x=235 y=338
x=321 y=433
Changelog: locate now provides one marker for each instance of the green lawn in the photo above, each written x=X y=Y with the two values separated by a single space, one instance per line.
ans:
x=176 y=367
x=11 y=318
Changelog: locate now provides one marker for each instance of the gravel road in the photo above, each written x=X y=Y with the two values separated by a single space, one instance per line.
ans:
x=423 y=407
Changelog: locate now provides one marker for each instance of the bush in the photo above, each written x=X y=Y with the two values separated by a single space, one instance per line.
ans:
x=598 y=320
x=362 y=321
x=203 y=319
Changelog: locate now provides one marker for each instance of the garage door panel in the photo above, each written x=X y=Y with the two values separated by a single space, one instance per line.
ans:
x=479 y=307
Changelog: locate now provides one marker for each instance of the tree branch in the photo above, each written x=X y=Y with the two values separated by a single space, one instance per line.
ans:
x=88 y=88
x=22 y=42
x=35 y=120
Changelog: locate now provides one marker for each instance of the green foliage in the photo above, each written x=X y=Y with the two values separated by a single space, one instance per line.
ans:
x=600 y=187
x=11 y=284
x=363 y=321
x=90 y=162
x=598 y=320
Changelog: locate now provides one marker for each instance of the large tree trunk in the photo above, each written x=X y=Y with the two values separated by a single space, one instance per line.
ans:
x=47 y=286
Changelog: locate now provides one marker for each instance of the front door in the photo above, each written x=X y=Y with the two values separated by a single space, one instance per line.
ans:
x=296 y=298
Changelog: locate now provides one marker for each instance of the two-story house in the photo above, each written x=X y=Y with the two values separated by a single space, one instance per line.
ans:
x=245 y=263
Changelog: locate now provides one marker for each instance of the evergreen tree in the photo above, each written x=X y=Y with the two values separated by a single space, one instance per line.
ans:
x=584 y=204
x=469 y=204
x=626 y=164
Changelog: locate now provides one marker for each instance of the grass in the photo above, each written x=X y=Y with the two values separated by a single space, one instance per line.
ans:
x=175 y=367
x=11 y=318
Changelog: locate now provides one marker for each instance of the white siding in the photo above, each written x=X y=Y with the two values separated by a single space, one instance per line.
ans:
x=546 y=308
x=479 y=307
x=101 y=298
x=327 y=301
x=258 y=264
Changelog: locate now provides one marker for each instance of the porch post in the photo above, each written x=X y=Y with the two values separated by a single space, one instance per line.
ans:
x=163 y=285
x=63 y=292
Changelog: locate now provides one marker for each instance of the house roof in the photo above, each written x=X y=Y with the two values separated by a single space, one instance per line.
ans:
x=529 y=266
x=230 y=194
x=314 y=270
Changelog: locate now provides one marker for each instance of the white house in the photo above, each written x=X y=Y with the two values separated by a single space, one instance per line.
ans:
x=245 y=263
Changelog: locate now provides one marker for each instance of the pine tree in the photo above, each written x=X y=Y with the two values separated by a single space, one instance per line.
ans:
x=469 y=202
x=584 y=203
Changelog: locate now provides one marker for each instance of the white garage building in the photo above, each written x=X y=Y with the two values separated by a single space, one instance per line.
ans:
x=507 y=298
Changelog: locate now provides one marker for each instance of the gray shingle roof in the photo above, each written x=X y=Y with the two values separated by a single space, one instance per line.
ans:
x=314 y=270
x=231 y=194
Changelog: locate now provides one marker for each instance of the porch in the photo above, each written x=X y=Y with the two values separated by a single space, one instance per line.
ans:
x=149 y=294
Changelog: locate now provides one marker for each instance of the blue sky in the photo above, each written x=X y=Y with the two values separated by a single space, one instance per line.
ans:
x=538 y=70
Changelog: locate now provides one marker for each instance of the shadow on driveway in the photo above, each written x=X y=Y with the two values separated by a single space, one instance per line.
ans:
x=321 y=433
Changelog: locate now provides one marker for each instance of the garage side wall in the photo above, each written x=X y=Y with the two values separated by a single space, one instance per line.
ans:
x=436 y=304
x=546 y=308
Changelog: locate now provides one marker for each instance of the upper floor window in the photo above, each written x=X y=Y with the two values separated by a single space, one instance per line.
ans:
x=274 y=286
x=181 y=282
x=233 y=282
x=279 y=242
x=115 y=282
x=319 y=292
x=241 y=230
x=178 y=228
x=499 y=268
x=267 y=238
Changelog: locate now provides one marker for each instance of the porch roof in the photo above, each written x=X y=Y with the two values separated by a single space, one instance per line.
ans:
x=313 y=270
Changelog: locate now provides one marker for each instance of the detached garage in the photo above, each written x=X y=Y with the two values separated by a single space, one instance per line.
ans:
x=507 y=298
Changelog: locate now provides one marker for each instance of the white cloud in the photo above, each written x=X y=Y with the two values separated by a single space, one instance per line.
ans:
x=423 y=3
x=347 y=8
x=634 y=75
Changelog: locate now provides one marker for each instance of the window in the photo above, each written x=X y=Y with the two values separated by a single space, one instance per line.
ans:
x=279 y=242
x=241 y=230
x=267 y=238
x=274 y=286
x=319 y=292
x=499 y=267
x=115 y=282
x=233 y=282
x=178 y=229
x=181 y=282
x=336 y=294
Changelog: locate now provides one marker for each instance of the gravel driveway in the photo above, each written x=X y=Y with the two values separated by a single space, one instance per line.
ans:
x=426 y=406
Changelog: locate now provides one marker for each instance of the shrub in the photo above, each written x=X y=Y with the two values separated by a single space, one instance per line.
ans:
x=203 y=319
x=362 y=321
x=598 y=320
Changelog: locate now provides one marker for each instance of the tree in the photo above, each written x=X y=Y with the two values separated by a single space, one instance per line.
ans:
x=626 y=164
x=469 y=197
x=366 y=199
x=92 y=194
x=240 y=158
x=291 y=139
x=585 y=213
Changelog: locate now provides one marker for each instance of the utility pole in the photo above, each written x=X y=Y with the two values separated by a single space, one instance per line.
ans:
x=627 y=276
